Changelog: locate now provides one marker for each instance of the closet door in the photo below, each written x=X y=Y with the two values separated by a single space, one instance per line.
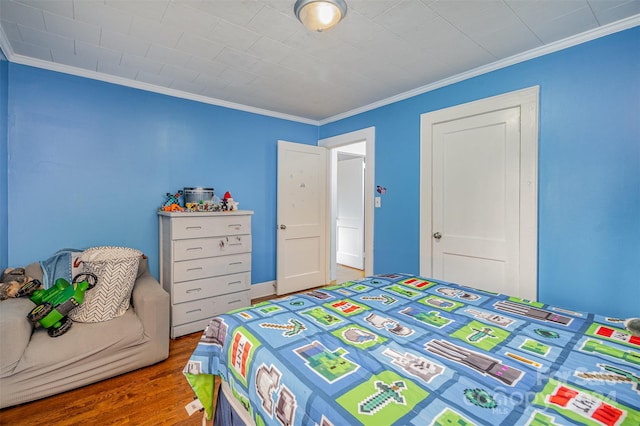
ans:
x=478 y=223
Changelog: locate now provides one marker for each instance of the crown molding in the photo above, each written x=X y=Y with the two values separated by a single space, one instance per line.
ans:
x=565 y=43
x=121 y=81
x=4 y=45
x=623 y=24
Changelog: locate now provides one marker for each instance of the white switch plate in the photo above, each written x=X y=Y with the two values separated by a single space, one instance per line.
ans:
x=378 y=202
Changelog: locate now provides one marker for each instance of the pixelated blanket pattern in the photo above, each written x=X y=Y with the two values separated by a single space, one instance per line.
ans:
x=401 y=349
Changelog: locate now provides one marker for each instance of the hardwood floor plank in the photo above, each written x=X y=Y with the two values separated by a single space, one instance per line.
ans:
x=149 y=396
x=347 y=273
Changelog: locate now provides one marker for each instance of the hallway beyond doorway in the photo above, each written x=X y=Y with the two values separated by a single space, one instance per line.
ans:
x=346 y=273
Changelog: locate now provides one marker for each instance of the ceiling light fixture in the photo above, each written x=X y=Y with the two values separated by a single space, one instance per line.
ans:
x=320 y=15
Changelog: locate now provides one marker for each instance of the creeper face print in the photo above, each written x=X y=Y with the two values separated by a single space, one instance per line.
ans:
x=323 y=317
x=330 y=365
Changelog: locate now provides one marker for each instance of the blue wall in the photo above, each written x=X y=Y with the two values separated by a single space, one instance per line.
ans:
x=589 y=170
x=4 y=96
x=90 y=163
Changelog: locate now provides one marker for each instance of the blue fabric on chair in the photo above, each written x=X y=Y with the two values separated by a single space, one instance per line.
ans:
x=58 y=266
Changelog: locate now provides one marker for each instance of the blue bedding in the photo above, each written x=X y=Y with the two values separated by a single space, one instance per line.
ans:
x=401 y=349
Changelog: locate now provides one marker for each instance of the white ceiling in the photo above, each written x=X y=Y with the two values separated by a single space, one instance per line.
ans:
x=255 y=55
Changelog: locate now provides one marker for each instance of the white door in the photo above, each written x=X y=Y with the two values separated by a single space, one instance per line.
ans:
x=480 y=174
x=350 y=217
x=475 y=200
x=302 y=217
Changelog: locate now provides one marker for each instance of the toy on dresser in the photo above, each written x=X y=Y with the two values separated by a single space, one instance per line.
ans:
x=173 y=202
x=198 y=204
x=228 y=203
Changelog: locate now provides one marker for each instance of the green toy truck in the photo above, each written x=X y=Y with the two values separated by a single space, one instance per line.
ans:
x=55 y=303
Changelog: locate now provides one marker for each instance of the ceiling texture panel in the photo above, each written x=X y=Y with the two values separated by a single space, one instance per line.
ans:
x=254 y=55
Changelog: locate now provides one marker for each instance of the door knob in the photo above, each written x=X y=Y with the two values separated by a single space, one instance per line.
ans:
x=437 y=235
x=283 y=226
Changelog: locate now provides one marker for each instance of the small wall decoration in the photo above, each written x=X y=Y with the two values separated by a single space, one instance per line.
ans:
x=381 y=189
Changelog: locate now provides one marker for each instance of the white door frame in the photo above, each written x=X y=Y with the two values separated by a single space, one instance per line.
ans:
x=527 y=101
x=367 y=135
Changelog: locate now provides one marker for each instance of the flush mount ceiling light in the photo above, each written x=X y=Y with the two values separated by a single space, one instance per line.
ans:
x=320 y=15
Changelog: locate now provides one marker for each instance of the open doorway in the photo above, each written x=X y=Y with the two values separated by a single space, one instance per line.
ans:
x=349 y=224
x=339 y=146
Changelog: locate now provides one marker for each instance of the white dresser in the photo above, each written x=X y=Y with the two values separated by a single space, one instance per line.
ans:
x=205 y=265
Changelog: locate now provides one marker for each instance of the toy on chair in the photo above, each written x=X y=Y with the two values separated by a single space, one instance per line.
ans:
x=55 y=303
x=14 y=282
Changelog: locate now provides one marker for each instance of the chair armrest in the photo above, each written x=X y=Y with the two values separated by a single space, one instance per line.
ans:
x=152 y=304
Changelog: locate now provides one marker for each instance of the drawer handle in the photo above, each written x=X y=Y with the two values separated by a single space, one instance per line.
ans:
x=236 y=244
x=193 y=290
x=194 y=248
x=236 y=226
x=235 y=301
x=193 y=311
x=234 y=282
x=194 y=227
x=199 y=268
x=235 y=263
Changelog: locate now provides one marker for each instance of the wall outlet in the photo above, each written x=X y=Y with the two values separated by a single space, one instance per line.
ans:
x=378 y=202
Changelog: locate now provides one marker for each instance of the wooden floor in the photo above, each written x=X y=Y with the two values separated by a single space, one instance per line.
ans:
x=346 y=273
x=154 y=395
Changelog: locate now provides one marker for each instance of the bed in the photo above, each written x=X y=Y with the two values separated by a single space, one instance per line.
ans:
x=402 y=349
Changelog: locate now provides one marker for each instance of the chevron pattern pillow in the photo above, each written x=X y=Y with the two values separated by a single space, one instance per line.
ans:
x=116 y=269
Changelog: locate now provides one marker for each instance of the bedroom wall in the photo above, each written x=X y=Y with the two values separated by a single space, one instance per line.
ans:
x=90 y=163
x=4 y=89
x=589 y=170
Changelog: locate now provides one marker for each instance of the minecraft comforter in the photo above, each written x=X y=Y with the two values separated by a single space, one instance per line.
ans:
x=413 y=351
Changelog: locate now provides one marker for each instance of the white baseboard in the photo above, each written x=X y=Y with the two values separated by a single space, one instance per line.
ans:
x=267 y=288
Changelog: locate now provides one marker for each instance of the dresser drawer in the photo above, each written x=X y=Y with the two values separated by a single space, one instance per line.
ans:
x=196 y=248
x=196 y=269
x=188 y=328
x=209 y=287
x=183 y=313
x=211 y=226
